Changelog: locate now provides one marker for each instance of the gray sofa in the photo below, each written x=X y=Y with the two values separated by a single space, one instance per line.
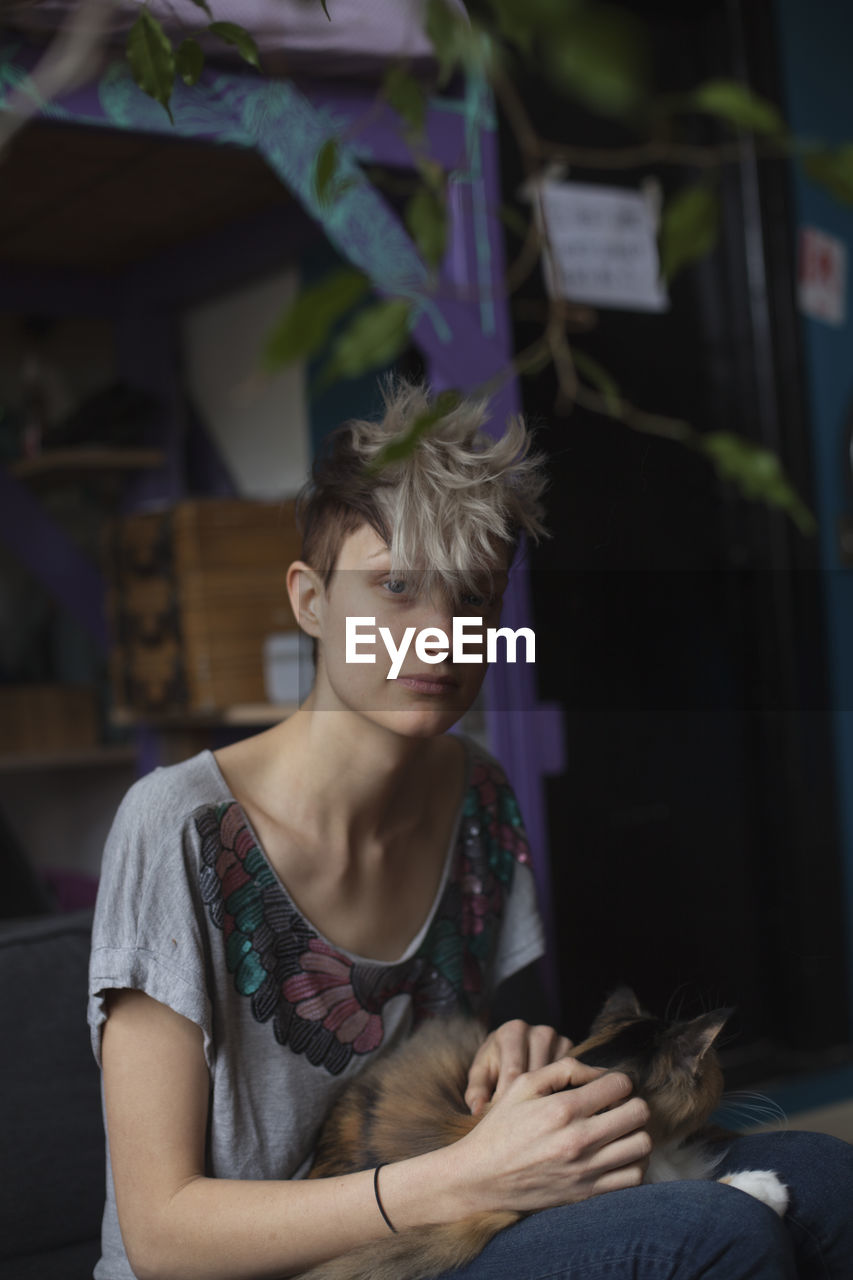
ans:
x=51 y=1129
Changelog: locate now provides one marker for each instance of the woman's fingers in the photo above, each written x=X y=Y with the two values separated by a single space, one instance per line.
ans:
x=596 y=1103
x=630 y=1175
x=609 y=1123
x=563 y=1132
x=513 y=1047
x=482 y=1077
x=598 y=1111
x=507 y=1053
x=569 y=1073
x=544 y=1045
x=634 y=1149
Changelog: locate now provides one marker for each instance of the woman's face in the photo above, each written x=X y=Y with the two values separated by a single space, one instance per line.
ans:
x=421 y=698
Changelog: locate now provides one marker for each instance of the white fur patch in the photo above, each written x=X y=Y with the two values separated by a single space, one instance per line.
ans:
x=762 y=1184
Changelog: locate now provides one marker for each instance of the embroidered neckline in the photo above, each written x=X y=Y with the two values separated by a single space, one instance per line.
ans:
x=323 y=1002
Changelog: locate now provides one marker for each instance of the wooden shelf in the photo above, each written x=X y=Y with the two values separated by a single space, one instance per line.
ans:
x=85 y=758
x=82 y=459
x=248 y=713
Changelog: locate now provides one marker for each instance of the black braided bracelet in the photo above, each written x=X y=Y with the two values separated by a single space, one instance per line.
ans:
x=386 y=1219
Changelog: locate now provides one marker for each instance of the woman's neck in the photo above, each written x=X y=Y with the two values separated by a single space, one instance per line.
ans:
x=348 y=787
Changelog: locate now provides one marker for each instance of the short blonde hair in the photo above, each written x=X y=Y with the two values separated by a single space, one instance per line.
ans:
x=451 y=506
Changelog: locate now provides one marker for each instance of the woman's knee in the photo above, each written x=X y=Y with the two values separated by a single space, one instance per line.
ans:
x=706 y=1201
x=792 y=1146
x=674 y=1231
x=818 y=1171
x=730 y=1233
x=816 y=1168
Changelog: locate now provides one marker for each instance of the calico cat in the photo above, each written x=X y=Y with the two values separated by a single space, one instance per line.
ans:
x=412 y=1101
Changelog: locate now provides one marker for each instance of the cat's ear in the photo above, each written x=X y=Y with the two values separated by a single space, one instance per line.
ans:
x=620 y=1005
x=695 y=1039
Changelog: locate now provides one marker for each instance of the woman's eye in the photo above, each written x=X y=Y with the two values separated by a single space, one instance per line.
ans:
x=475 y=601
x=396 y=586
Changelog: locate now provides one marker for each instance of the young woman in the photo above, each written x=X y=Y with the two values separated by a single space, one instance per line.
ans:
x=273 y=915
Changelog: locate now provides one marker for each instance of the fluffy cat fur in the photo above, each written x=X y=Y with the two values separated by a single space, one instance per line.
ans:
x=412 y=1101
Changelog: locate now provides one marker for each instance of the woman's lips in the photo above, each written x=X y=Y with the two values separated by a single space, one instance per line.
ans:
x=429 y=684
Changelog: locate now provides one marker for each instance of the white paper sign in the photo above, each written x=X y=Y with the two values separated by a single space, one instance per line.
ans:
x=822 y=276
x=602 y=245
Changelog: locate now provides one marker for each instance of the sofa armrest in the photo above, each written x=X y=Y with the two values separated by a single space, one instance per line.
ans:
x=52 y=1156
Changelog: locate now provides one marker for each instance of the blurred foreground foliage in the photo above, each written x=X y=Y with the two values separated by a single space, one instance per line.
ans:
x=590 y=51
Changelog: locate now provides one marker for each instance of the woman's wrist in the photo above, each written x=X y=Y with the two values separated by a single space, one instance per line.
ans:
x=432 y=1188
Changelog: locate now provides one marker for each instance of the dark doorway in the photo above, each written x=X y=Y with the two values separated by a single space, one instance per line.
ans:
x=694 y=844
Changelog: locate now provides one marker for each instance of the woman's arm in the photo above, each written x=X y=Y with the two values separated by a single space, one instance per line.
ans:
x=177 y=1223
x=539 y=1146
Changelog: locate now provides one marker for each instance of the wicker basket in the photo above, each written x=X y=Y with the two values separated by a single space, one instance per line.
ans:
x=195 y=591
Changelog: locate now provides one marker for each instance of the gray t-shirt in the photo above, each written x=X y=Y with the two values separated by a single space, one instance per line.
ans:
x=190 y=911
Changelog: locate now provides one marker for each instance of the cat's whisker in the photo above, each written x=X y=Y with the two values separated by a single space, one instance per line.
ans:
x=752 y=1096
x=667 y=1013
x=756 y=1108
x=678 y=994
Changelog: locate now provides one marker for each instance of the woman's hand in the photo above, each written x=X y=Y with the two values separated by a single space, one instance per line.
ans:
x=506 y=1054
x=559 y=1134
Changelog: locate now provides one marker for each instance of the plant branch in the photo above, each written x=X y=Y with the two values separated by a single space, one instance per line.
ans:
x=561 y=354
x=67 y=61
x=536 y=150
x=650 y=424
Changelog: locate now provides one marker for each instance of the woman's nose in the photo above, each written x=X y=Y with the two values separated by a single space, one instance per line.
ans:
x=437 y=615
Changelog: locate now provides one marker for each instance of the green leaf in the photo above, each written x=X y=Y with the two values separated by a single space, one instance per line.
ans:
x=442 y=26
x=239 y=37
x=598 y=376
x=758 y=474
x=532 y=363
x=202 y=4
x=373 y=339
x=457 y=41
x=396 y=450
x=326 y=9
x=189 y=61
x=426 y=219
x=407 y=96
x=328 y=186
x=325 y=169
x=602 y=57
x=306 y=324
x=833 y=169
x=736 y=103
x=689 y=227
x=431 y=172
x=151 y=59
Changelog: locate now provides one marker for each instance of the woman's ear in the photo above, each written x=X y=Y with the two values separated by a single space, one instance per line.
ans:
x=306 y=592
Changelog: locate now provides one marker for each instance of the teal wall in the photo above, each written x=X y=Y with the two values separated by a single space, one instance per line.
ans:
x=816 y=64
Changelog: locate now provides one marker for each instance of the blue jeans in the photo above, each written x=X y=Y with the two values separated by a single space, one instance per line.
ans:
x=688 y=1230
